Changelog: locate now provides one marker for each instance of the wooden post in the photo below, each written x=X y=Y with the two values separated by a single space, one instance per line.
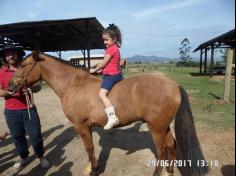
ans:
x=228 y=75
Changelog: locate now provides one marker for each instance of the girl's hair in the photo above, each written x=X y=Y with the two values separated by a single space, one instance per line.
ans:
x=114 y=31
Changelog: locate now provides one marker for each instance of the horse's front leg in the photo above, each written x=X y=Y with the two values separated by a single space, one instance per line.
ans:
x=85 y=133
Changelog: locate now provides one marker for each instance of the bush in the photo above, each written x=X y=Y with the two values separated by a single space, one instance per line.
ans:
x=187 y=64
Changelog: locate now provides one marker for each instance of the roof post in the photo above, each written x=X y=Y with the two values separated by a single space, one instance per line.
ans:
x=87 y=43
x=205 y=62
x=88 y=53
x=36 y=40
x=212 y=60
x=84 y=54
x=201 y=61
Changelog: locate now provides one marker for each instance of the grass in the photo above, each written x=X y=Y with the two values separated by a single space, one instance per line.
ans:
x=206 y=96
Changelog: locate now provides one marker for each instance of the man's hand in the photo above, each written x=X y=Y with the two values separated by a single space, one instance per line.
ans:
x=12 y=94
x=25 y=91
x=17 y=94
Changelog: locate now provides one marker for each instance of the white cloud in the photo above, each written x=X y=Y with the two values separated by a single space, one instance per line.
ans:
x=39 y=4
x=32 y=15
x=175 y=5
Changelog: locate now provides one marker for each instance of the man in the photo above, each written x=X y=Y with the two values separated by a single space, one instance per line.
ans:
x=19 y=120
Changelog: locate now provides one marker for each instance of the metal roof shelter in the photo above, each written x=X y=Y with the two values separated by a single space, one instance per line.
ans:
x=55 y=35
x=226 y=40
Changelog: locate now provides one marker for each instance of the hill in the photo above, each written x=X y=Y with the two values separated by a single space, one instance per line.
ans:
x=141 y=58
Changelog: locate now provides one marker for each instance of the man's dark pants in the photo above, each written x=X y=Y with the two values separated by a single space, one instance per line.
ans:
x=19 y=124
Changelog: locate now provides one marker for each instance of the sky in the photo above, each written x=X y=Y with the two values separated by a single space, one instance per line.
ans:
x=149 y=27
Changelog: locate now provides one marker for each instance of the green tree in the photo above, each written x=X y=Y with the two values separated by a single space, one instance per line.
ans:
x=223 y=53
x=184 y=51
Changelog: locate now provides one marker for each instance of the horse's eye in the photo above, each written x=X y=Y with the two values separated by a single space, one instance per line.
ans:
x=23 y=65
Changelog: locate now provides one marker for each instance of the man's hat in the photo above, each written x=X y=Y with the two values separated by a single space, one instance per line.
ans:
x=11 y=47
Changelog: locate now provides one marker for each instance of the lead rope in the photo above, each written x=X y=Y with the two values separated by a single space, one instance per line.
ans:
x=30 y=102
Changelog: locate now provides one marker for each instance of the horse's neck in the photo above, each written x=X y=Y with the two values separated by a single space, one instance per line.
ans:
x=58 y=75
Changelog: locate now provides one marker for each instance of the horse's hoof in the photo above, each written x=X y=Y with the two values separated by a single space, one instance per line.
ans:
x=94 y=173
x=166 y=173
x=157 y=172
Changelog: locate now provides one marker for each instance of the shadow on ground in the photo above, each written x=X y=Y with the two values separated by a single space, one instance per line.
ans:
x=55 y=156
x=6 y=158
x=228 y=170
x=130 y=140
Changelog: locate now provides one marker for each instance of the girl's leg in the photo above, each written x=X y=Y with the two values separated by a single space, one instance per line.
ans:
x=103 y=96
x=109 y=109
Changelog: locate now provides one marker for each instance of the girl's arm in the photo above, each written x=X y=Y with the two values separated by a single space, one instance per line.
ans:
x=101 y=65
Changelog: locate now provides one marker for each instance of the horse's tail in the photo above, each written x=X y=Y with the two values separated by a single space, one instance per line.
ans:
x=186 y=137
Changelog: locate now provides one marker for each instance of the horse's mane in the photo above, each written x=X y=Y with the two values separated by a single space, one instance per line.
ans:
x=61 y=61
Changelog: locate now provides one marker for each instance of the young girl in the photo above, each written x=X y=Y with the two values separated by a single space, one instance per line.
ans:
x=111 y=71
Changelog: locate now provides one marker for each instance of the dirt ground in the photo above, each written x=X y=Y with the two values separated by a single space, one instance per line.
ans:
x=121 y=152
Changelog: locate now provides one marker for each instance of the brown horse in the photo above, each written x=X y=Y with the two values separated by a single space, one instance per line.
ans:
x=150 y=98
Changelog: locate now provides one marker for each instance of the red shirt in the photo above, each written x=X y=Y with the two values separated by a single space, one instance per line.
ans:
x=11 y=103
x=113 y=66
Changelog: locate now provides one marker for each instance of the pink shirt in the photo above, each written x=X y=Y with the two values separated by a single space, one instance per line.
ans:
x=11 y=103
x=113 y=66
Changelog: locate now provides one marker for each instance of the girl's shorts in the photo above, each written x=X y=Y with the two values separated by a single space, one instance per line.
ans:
x=110 y=80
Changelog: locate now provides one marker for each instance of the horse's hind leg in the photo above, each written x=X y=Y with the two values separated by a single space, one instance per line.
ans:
x=85 y=133
x=159 y=140
x=171 y=149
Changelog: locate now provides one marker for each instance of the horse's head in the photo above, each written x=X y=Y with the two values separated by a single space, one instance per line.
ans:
x=27 y=73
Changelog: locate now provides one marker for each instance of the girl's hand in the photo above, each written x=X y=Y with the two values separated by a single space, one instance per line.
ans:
x=99 y=71
x=92 y=70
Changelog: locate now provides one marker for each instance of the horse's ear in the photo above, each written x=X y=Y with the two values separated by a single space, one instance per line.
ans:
x=35 y=55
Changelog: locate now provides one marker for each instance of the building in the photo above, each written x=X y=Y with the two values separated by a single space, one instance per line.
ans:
x=226 y=40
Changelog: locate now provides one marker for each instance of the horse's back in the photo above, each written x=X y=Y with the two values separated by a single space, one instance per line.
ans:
x=146 y=95
x=153 y=83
